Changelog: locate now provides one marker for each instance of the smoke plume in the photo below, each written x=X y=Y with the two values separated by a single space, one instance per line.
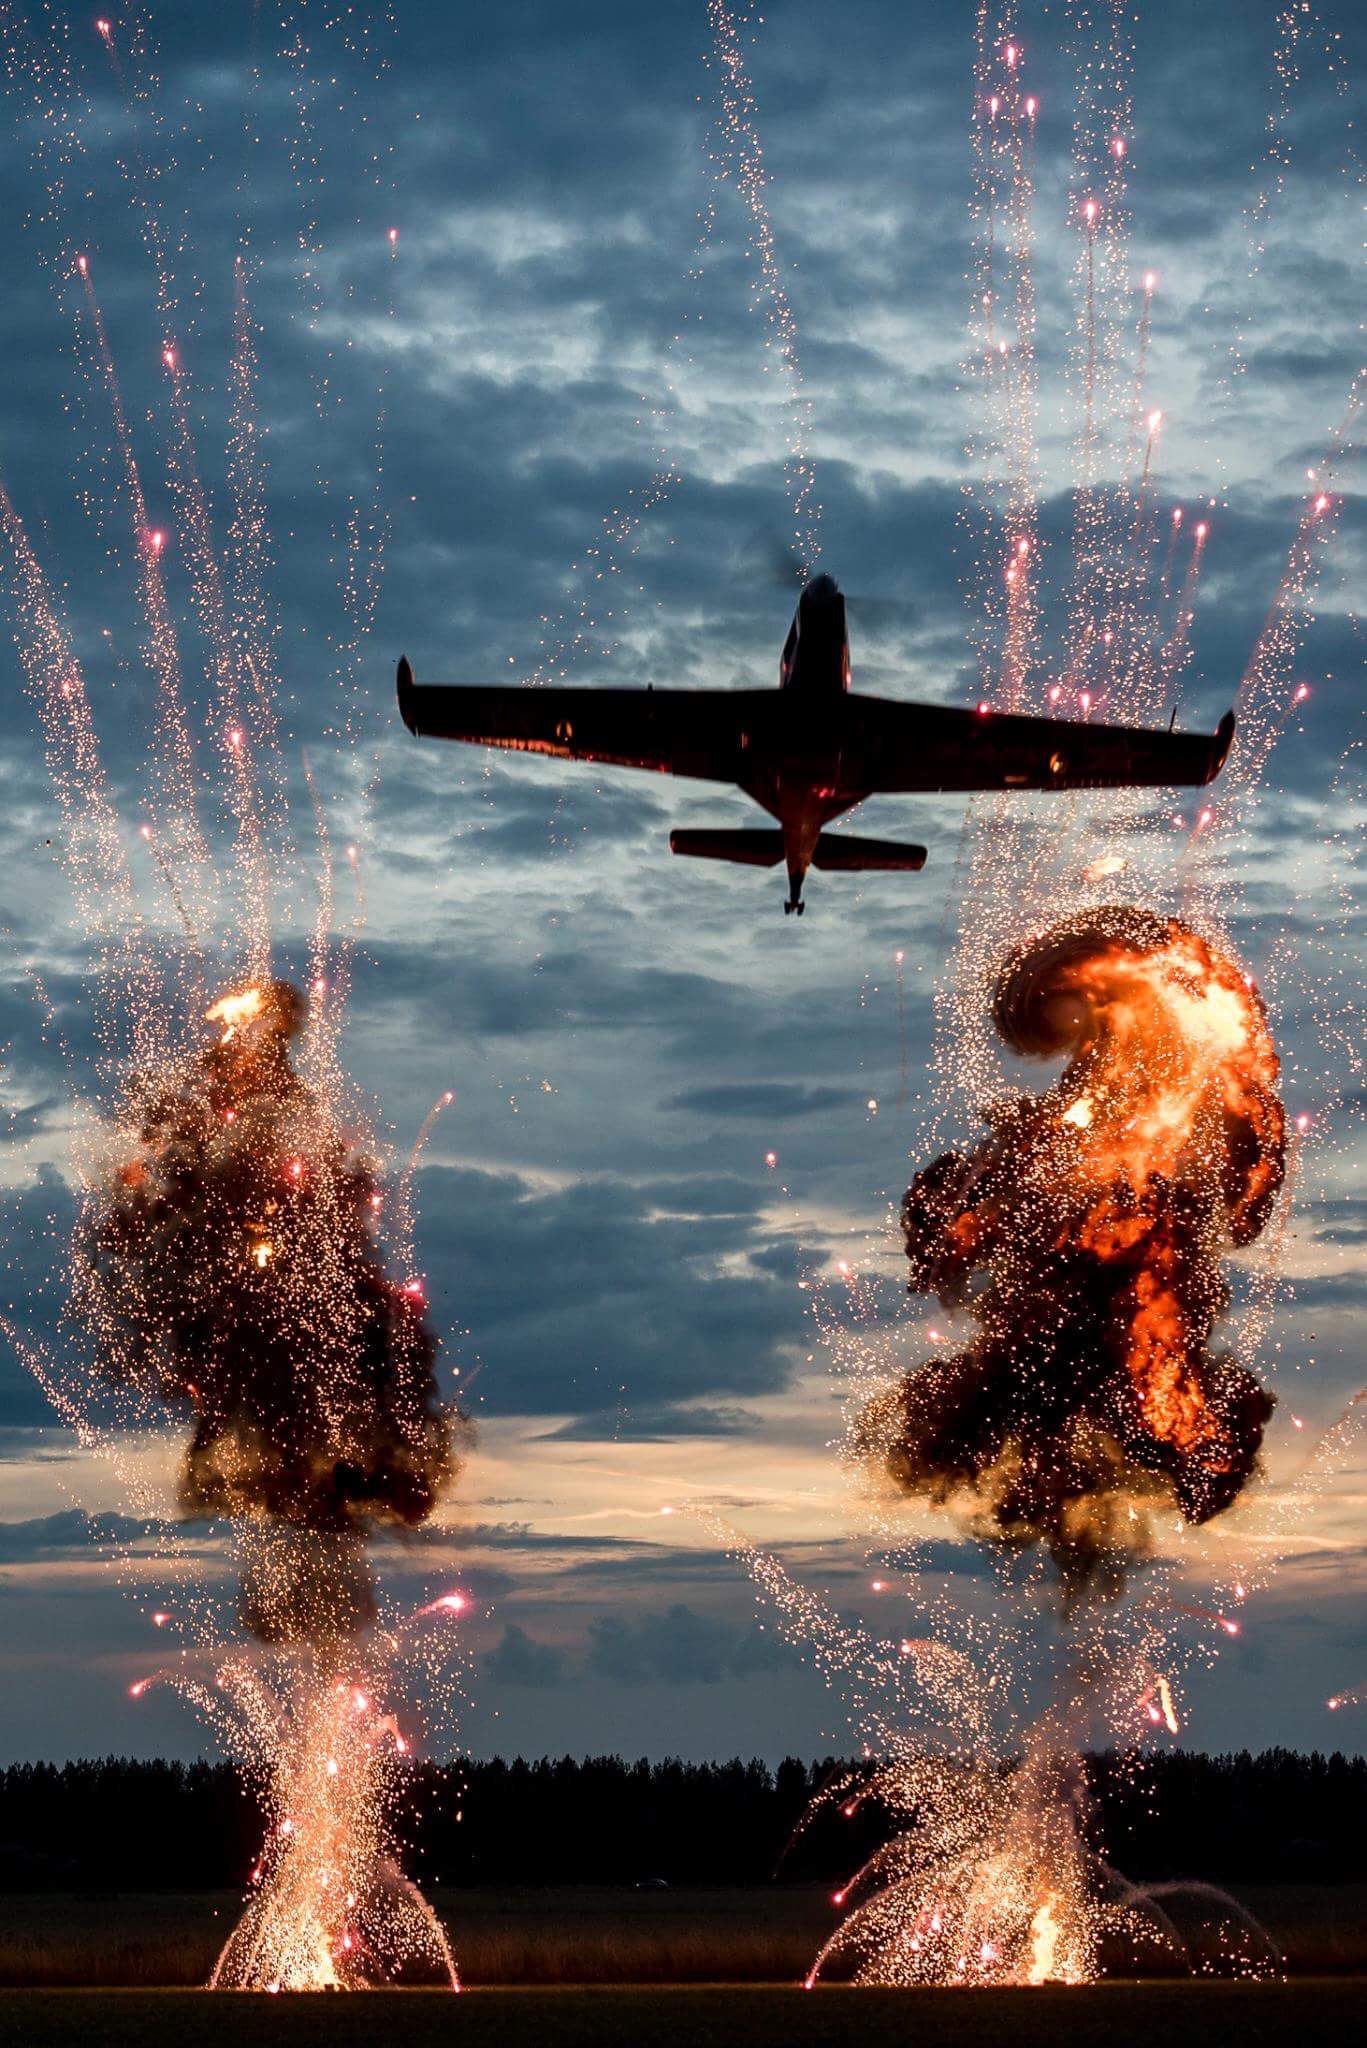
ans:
x=232 y=1271
x=1084 y=1236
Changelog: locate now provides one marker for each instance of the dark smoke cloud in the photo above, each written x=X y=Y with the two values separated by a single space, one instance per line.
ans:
x=1084 y=1235
x=231 y=1269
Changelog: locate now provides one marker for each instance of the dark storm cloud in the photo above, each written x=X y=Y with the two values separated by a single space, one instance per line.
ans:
x=586 y=1297
x=70 y=1533
x=681 y=1647
x=763 y=1099
x=518 y=1660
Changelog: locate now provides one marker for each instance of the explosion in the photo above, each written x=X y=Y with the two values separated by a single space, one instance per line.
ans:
x=231 y=1270
x=1084 y=1237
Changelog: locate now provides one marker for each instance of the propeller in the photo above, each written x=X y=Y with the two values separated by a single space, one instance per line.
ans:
x=769 y=558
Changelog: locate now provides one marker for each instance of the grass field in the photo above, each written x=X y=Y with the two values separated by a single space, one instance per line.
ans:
x=1187 y=2015
x=584 y=1935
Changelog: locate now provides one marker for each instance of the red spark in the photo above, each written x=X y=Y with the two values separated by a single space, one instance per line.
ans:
x=1030 y=106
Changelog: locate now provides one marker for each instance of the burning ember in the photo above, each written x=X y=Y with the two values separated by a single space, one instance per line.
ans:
x=1084 y=1235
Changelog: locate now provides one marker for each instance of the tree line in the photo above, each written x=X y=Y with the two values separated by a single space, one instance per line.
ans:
x=119 y=1824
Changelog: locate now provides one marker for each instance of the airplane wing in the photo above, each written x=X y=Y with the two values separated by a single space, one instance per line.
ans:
x=674 y=732
x=891 y=747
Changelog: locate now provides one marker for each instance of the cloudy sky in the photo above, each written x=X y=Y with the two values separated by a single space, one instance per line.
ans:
x=560 y=370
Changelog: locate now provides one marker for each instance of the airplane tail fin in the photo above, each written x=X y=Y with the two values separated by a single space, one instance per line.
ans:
x=755 y=849
x=850 y=855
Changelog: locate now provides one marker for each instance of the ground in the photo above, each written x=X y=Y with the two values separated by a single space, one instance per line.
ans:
x=1303 y=2014
x=555 y=1935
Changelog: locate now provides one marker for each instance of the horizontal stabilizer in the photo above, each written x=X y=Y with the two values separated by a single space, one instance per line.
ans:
x=850 y=855
x=755 y=849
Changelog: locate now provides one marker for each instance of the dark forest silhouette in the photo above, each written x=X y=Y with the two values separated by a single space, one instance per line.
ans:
x=126 y=1825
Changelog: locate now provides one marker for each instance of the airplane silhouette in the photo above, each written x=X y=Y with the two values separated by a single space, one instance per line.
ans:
x=811 y=749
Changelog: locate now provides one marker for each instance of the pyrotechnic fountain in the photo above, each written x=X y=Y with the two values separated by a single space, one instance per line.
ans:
x=1097 y=1411
x=238 y=1268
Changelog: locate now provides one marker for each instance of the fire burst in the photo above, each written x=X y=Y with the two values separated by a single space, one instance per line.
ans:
x=1084 y=1234
x=229 y=1271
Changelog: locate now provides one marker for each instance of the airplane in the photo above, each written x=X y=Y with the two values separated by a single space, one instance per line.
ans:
x=810 y=750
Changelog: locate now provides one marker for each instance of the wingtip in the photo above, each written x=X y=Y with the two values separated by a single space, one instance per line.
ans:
x=406 y=692
x=1224 y=740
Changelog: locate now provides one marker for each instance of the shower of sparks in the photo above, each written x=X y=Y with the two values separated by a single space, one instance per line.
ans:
x=1092 y=1223
x=740 y=159
x=236 y=1268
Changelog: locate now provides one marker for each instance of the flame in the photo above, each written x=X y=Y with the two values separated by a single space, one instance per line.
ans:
x=233 y=1011
x=1045 y=1931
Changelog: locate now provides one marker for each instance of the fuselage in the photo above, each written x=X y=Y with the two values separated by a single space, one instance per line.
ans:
x=801 y=784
